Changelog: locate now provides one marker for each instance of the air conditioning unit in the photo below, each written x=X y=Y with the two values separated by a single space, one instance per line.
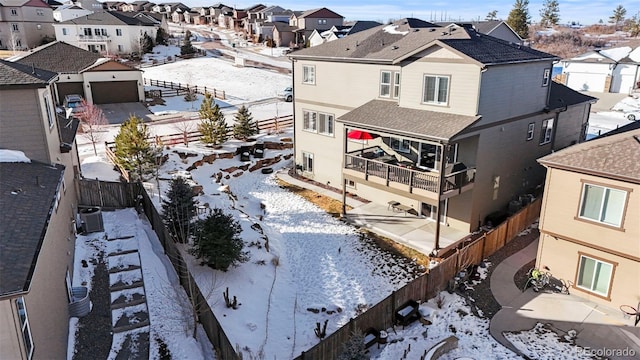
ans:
x=91 y=219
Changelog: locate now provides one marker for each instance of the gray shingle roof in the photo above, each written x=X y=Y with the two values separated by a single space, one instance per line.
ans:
x=399 y=40
x=60 y=57
x=614 y=156
x=35 y=186
x=561 y=95
x=109 y=18
x=13 y=74
x=380 y=115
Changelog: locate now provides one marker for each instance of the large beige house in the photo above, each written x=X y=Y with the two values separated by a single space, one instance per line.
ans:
x=590 y=219
x=37 y=239
x=25 y=24
x=457 y=119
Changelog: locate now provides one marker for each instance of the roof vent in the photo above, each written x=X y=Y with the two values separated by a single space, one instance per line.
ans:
x=432 y=29
x=394 y=47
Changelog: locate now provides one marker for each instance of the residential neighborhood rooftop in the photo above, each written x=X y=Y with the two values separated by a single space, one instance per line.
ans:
x=60 y=57
x=111 y=18
x=14 y=74
x=403 y=38
x=614 y=156
x=561 y=96
x=28 y=194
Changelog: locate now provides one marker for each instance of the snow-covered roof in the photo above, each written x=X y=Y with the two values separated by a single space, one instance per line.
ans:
x=13 y=156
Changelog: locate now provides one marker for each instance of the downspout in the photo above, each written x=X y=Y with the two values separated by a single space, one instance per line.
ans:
x=344 y=183
x=440 y=186
x=293 y=96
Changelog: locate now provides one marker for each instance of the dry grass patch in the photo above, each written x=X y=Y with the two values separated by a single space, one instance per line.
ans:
x=399 y=249
x=332 y=206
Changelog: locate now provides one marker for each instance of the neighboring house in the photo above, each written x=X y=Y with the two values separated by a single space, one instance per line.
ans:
x=169 y=8
x=107 y=32
x=614 y=70
x=194 y=16
x=177 y=16
x=68 y=12
x=239 y=16
x=99 y=80
x=25 y=24
x=337 y=32
x=95 y=5
x=37 y=240
x=589 y=228
x=113 y=5
x=215 y=11
x=495 y=28
x=225 y=19
x=310 y=20
x=283 y=34
x=135 y=6
x=457 y=118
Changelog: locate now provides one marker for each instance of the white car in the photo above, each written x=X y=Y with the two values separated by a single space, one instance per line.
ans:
x=286 y=94
x=632 y=115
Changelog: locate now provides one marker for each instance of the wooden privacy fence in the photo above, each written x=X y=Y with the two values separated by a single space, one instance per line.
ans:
x=121 y=195
x=216 y=93
x=382 y=315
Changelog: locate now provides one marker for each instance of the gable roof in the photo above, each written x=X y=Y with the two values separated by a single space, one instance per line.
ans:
x=485 y=27
x=615 y=157
x=14 y=74
x=60 y=57
x=381 y=115
x=282 y=27
x=403 y=38
x=28 y=194
x=110 y=17
x=561 y=95
x=27 y=3
x=320 y=12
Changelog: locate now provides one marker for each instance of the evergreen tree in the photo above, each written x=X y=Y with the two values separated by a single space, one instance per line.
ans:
x=618 y=15
x=354 y=348
x=518 y=18
x=217 y=241
x=161 y=36
x=550 y=13
x=187 y=48
x=244 y=126
x=633 y=26
x=213 y=125
x=147 y=44
x=133 y=149
x=178 y=209
x=492 y=15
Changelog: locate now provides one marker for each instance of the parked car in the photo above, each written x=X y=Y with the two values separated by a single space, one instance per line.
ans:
x=73 y=104
x=633 y=115
x=286 y=94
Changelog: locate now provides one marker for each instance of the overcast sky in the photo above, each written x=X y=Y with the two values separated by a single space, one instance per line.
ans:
x=585 y=12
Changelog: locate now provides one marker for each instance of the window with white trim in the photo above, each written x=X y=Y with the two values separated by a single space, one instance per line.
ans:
x=594 y=275
x=39 y=12
x=396 y=84
x=531 y=131
x=14 y=12
x=24 y=326
x=307 y=162
x=118 y=32
x=385 y=83
x=309 y=122
x=322 y=21
x=318 y=122
x=602 y=204
x=15 y=27
x=547 y=131
x=325 y=124
x=64 y=31
x=47 y=108
x=308 y=74
x=436 y=90
x=546 y=77
x=87 y=31
x=120 y=48
x=400 y=145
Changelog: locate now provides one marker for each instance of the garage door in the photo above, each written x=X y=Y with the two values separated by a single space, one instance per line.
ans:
x=586 y=82
x=110 y=92
x=65 y=89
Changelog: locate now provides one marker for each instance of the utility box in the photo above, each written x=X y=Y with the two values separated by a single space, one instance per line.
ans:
x=91 y=218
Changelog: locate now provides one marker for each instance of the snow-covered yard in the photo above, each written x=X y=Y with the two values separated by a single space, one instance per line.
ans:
x=315 y=268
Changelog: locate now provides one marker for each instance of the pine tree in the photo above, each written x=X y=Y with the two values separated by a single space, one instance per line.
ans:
x=244 y=126
x=179 y=208
x=213 y=125
x=187 y=48
x=147 y=44
x=354 y=348
x=518 y=18
x=550 y=13
x=633 y=26
x=217 y=241
x=133 y=149
x=161 y=36
x=492 y=15
x=618 y=15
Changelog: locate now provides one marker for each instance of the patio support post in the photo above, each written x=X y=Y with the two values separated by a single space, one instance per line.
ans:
x=344 y=182
x=443 y=161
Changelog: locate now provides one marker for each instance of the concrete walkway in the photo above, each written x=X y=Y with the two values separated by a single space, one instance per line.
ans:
x=597 y=326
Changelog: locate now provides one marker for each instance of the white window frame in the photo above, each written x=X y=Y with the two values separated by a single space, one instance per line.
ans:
x=307 y=162
x=322 y=21
x=603 y=206
x=546 y=77
x=118 y=32
x=437 y=90
x=308 y=74
x=24 y=326
x=87 y=32
x=14 y=12
x=64 y=31
x=325 y=124
x=39 y=12
x=396 y=85
x=15 y=27
x=47 y=108
x=597 y=270
x=385 y=86
x=531 y=131
x=309 y=121
x=120 y=48
x=318 y=122
x=400 y=145
x=547 y=131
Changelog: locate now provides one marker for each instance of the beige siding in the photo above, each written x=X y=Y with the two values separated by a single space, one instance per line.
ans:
x=24 y=131
x=10 y=336
x=508 y=91
x=561 y=209
x=47 y=301
x=562 y=257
